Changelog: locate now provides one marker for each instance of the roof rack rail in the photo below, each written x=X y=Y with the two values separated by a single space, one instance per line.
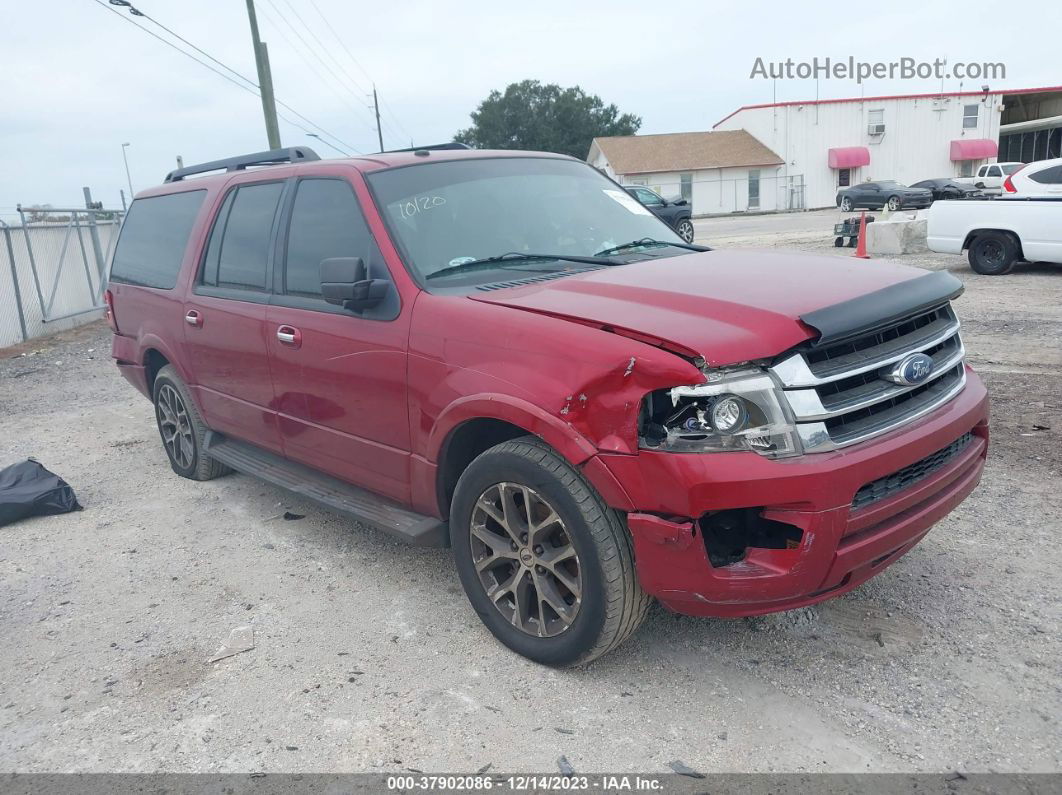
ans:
x=272 y=157
x=450 y=145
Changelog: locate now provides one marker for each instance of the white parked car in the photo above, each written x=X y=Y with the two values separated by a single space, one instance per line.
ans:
x=997 y=234
x=989 y=178
x=1042 y=178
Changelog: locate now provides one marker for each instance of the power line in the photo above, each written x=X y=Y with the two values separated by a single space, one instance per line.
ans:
x=255 y=90
x=324 y=79
x=357 y=63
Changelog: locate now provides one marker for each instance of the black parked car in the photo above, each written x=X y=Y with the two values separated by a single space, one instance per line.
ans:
x=876 y=195
x=674 y=212
x=949 y=189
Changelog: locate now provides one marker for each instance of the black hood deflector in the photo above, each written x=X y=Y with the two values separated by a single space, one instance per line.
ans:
x=882 y=308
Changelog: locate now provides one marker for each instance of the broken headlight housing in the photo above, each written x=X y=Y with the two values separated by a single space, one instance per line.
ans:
x=733 y=410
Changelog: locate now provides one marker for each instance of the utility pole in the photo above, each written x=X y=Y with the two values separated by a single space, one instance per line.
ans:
x=265 y=80
x=128 y=179
x=376 y=106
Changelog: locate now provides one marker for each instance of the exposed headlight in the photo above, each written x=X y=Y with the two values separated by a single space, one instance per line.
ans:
x=733 y=410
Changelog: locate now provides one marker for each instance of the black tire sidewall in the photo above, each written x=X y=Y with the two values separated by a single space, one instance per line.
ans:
x=164 y=379
x=1010 y=255
x=504 y=466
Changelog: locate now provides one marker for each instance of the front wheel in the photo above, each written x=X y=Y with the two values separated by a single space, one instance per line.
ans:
x=895 y=203
x=846 y=205
x=545 y=563
x=685 y=230
x=993 y=254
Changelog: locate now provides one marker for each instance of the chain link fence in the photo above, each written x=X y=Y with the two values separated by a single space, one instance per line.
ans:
x=53 y=269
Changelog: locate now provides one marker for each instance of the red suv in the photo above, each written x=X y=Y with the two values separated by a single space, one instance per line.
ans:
x=506 y=353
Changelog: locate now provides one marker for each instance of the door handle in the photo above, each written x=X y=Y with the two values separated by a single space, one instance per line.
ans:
x=193 y=318
x=289 y=335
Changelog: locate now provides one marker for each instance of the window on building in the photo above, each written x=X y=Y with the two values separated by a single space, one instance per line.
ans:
x=154 y=237
x=969 y=116
x=876 y=121
x=238 y=252
x=844 y=177
x=686 y=186
x=326 y=221
x=754 y=188
x=966 y=168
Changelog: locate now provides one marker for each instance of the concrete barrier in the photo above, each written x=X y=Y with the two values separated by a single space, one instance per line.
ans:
x=898 y=233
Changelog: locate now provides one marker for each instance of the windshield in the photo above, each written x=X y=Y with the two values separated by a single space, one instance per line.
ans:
x=458 y=211
x=891 y=184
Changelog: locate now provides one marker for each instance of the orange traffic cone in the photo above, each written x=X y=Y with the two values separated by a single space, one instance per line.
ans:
x=861 y=244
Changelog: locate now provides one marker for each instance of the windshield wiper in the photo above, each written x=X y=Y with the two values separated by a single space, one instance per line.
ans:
x=514 y=256
x=646 y=242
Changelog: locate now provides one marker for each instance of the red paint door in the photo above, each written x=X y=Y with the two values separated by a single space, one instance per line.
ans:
x=339 y=377
x=225 y=330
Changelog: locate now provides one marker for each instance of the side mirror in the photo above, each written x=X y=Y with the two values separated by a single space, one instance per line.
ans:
x=345 y=282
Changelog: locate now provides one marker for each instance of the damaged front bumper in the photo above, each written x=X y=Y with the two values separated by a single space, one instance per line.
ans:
x=809 y=537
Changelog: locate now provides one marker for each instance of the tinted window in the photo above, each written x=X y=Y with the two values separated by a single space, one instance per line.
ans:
x=1049 y=176
x=153 y=239
x=993 y=171
x=242 y=257
x=325 y=222
x=1010 y=168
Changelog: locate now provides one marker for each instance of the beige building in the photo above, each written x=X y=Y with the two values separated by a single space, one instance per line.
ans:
x=717 y=172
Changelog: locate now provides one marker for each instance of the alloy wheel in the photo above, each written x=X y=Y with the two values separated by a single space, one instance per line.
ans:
x=525 y=559
x=686 y=231
x=175 y=426
x=894 y=204
x=846 y=205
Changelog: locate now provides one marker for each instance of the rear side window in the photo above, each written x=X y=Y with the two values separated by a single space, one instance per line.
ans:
x=238 y=251
x=326 y=221
x=1049 y=176
x=153 y=239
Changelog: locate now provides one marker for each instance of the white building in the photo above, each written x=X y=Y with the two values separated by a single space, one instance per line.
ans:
x=717 y=172
x=836 y=142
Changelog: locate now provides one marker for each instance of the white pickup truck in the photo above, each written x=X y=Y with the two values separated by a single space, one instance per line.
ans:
x=998 y=233
x=989 y=178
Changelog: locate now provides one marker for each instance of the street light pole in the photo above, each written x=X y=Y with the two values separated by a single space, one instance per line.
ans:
x=265 y=80
x=128 y=179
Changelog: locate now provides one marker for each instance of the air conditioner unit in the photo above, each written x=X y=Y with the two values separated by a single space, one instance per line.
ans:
x=875 y=129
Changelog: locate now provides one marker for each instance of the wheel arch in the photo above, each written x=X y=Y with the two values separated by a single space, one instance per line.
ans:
x=476 y=423
x=973 y=234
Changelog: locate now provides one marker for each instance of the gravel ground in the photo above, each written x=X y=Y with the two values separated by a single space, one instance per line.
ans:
x=368 y=657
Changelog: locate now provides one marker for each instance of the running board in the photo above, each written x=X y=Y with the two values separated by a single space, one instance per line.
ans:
x=358 y=504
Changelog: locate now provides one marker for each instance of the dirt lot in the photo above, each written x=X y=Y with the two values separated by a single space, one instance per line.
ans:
x=368 y=657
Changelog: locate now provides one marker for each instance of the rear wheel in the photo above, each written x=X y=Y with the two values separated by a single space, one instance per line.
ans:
x=685 y=230
x=545 y=563
x=182 y=429
x=993 y=253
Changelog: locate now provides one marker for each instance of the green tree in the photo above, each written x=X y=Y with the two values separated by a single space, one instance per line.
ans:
x=530 y=115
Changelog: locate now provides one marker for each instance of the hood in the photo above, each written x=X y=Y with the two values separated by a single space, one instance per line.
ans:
x=723 y=306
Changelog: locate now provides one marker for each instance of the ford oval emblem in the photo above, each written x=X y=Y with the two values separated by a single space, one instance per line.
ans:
x=911 y=370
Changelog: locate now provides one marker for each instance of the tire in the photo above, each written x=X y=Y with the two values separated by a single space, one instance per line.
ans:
x=895 y=203
x=685 y=230
x=175 y=409
x=993 y=254
x=838 y=241
x=846 y=204
x=610 y=603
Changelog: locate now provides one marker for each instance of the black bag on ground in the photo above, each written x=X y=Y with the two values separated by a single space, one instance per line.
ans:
x=28 y=489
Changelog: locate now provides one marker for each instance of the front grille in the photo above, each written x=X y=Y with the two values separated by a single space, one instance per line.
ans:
x=910 y=475
x=840 y=393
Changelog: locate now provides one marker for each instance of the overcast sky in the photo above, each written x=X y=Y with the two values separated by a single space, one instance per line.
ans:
x=77 y=81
